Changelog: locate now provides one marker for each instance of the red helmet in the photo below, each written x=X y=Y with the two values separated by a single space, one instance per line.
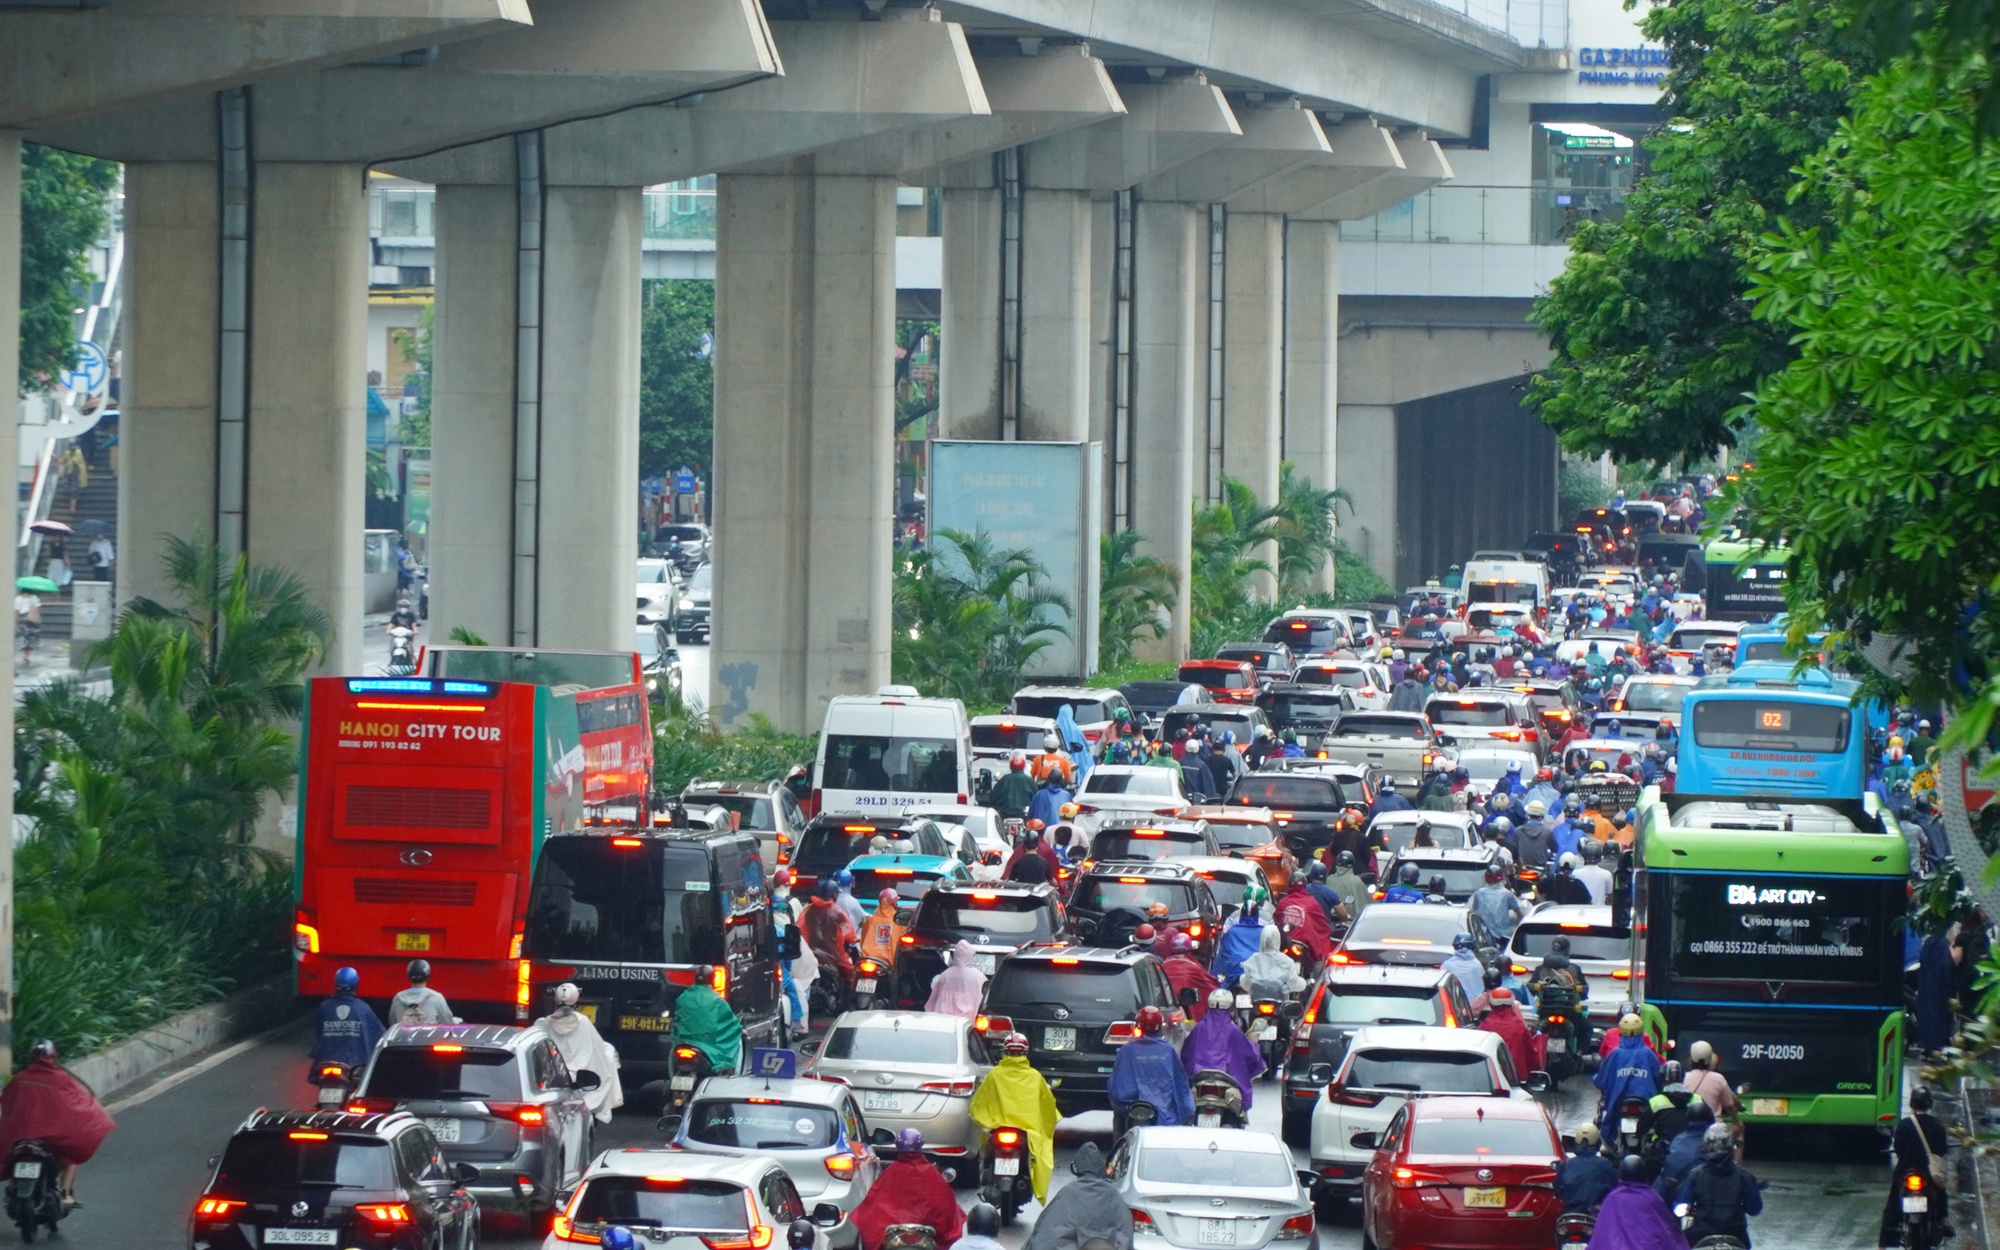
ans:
x=1016 y=1044
x=1018 y=762
x=1151 y=1021
x=1144 y=933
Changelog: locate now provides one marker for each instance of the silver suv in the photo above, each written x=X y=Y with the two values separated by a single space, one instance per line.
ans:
x=497 y=1098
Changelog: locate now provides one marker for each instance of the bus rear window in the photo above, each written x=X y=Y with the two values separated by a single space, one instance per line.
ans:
x=892 y=765
x=1773 y=724
x=1501 y=592
x=599 y=902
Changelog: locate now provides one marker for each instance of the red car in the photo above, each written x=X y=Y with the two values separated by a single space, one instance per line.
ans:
x=1469 y=1172
x=1227 y=681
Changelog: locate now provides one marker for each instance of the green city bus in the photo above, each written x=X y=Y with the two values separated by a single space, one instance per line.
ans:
x=1767 y=927
x=1741 y=580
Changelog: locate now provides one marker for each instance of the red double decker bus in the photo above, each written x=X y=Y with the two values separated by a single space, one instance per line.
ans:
x=422 y=805
x=614 y=719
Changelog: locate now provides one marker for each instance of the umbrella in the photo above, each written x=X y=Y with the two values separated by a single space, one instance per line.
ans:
x=51 y=527
x=41 y=584
x=93 y=526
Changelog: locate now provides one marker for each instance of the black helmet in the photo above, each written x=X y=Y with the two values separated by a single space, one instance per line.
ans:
x=1495 y=874
x=1920 y=1097
x=983 y=1220
x=801 y=1234
x=420 y=971
x=1559 y=945
x=1492 y=976
x=1316 y=871
x=1593 y=850
x=1344 y=860
x=826 y=888
x=1407 y=874
x=1437 y=884
x=1632 y=1168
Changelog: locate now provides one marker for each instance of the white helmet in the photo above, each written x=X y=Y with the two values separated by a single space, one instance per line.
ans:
x=566 y=995
x=1570 y=861
x=1536 y=807
x=1400 y=655
x=1220 y=1000
x=1050 y=742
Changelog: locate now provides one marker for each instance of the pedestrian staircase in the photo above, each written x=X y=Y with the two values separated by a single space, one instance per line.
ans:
x=96 y=500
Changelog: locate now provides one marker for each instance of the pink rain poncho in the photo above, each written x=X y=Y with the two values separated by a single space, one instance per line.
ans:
x=959 y=988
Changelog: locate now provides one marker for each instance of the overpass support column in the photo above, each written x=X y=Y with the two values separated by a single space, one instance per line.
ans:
x=1312 y=338
x=10 y=369
x=805 y=315
x=1170 y=338
x=1253 y=363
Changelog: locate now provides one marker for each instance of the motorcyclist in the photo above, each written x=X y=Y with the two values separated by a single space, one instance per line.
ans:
x=1406 y=888
x=1089 y=1208
x=1533 y=843
x=346 y=1029
x=1633 y=1216
x=1463 y=963
x=958 y=989
x=1594 y=876
x=1683 y=1150
x=1389 y=800
x=829 y=931
x=1329 y=898
x=703 y=1019
x=843 y=883
x=1032 y=861
x=1631 y=1070
x=1217 y=1042
x=1583 y=1179
x=878 y=936
x=982 y=1229
x=44 y=1103
x=1270 y=973
x=1013 y=1093
x=1353 y=891
x=1012 y=793
x=1496 y=905
x=1184 y=973
x=1501 y=814
x=909 y=1191
x=1147 y=1070
x=1523 y=1045
x=1300 y=919
x=1668 y=1109
x=419 y=1003
x=584 y=1049
x=1482 y=1006
x=405 y=617
x=1920 y=1140
x=1561 y=885
x=1237 y=943
x=1048 y=802
x=1721 y=1194
x=1054 y=759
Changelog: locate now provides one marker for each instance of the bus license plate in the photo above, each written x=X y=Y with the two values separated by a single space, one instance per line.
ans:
x=1558 y=1045
x=1006 y=1167
x=301 y=1237
x=1217 y=1233
x=684 y=1081
x=1059 y=1038
x=1771 y=1106
x=27 y=1171
x=645 y=1024
x=866 y=985
x=413 y=941
x=1494 y=1197
x=1916 y=1205
x=446 y=1131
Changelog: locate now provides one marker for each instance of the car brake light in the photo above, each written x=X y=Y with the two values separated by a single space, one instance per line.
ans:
x=523 y=990
x=1296 y=1228
x=719 y=980
x=383 y=1212
x=1131 y=881
x=1121 y=1032
x=628 y=843
x=907 y=940
x=1002 y=1025
x=1195 y=930
x=1413 y=1178
x=565 y=1229
x=1149 y=833
x=1141 y=1221
x=957 y=1089
x=1342 y=957
x=857 y=828
x=756 y=1238
x=215 y=1208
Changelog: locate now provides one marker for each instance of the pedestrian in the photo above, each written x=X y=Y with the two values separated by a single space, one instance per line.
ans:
x=102 y=557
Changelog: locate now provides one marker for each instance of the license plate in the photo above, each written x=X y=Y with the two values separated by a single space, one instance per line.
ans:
x=645 y=1024
x=404 y=942
x=329 y=1096
x=1012 y=1167
x=983 y=962
x=1558 y=1045
x=875 y=1100
x=1059 y=1038
x=588 y=1011
x=1268 y=1033
x=1217 y=1233
x=1494 y=1197
x=683 y=1081
x=444 y=1130
x=866 y=985
x=301 y=1237
x=1243 y=1001
x=1771 y=1106
x=1628 y=1125
x=1209 y=1119
x=27 y=1171
x=1917 y=1205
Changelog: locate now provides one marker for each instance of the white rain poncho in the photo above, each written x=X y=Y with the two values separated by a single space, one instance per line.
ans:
x=585 y=1050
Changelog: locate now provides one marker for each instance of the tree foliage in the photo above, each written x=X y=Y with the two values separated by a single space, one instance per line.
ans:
x=1655 y=345
x=1135 y=593
x=969 y=615
x=64 y=198
x=676 y=377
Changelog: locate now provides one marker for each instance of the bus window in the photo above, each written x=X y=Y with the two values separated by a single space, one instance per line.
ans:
x=596 y=901
x=1774 y=725
x=1780 y=927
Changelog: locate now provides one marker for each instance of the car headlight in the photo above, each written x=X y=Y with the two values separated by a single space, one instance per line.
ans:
x=652 y=683
x=686 y=602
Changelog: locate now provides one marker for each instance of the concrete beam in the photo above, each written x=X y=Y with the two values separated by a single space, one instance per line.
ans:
x=57 y=65
x=842 y=81
x=1165 y=125
x=1276 y=141
x=1362 y=151
x=1424 y=166
x=583 y=57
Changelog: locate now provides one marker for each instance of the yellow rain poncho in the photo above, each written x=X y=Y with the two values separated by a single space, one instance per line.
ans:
x=1015 y=1094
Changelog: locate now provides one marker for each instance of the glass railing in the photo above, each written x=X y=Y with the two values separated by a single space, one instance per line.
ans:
x=1456 y=213
x=681 y=210
x=1530 y=23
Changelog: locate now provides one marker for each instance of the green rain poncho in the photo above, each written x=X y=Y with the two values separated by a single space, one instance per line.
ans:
x=704 y=1021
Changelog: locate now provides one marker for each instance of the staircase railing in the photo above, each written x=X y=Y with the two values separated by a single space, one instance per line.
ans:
x=100 y=326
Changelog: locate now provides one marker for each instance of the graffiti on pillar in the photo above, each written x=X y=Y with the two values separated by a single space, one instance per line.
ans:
x=739 y=679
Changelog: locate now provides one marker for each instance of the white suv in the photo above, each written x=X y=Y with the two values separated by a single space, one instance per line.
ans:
x=1598 y=951
x=1384 y=1065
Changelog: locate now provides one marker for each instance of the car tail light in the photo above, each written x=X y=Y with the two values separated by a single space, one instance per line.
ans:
x=1166 y=811
x=1517 y=970
x=1354 y=1097
x=907 y=940
x=1121 y=1032
x=383 y=1212
x=1415 y=1178
x=305 y=936
x=521 y=1113
x=757 y=1238
x=1141 y=1222
x=719 y=980
x=1298 y=1228
x=957 y=1089
x=1342 y=957
x=1002 y=1025
x=1195 y=930
x=1621 y=974
x=1538 y=1180
x=215 y=1208
x=841 y=1166
x=565 y=1229
x=1085 y=809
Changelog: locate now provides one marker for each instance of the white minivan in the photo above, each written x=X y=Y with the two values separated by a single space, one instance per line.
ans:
x=1506 y=581
x=890 y=751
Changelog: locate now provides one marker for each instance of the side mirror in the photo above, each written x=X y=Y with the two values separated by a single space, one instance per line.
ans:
x=669 y=1126
x=826 y=1214
x=1537 y=1083
x=464 y=1173
x=1293 y=1009
x=882 y=1137
x=1365 y=1141
x=1319 y=1073
x=673 y=655
x=585 y=1080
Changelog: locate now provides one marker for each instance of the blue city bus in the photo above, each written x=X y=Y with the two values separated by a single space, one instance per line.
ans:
x=1769 y=735
x=1767 y=642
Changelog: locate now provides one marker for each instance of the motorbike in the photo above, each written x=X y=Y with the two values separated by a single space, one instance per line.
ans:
x=909 y=1237
x=690 y=1066
x=1573 y=1228
x=1218 y=1100
x=1564 y=1038
x=1006 y=1171
x=336 y=1082
x=1135 y=1115
x=1924 y=1208
x=34 y=1188
x=875 y=985
x=833 y=989
x=402 y=651
x=1266 y=1023
x=1632 y=1122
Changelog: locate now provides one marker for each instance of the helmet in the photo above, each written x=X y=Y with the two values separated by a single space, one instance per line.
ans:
x=1495 y=874
x=1536 y=807
x=1437 y=883
x=1407 y=874
x=1463 y=942
x=826 y=888
x=1599 y=766
x=1399 y=654
x=1592 y=849
x=1513 y=766
x=618 y=1237
x=346 y=979
x=1569 y=861
x=567 y=994
x=1559 y=945
x=1571 y=804
x=844 y=879
x=1070 y=810
x=1586 y=1135
x=419 y=970
x=983 y=1220
x=1629 y=1024
x=1151 y=1020
x=1501 y=994
x=1157 y=910
x=1545 y=774
x=782 y=877
x=1920 y=1098
x=1290 y=736
x=1033 y=837
x=1718 y=1139
x=1017 y=762
x=1179 y=942
x=1035 y=824
x=1316 y=871
x=1144 y=933
x=909 y=1142
x=878 y=844
x=1502 y=826
x=1344 y=860
x=1630 y=1168
x=1388 y=783
x=1229 y=737
x=1670 y=1073
x=1701 y=1054
x=44 y=1049
x=888 y=898
x=1220 y=999
x=1491 y=977
x=1050 y=742
x=1016 y=1044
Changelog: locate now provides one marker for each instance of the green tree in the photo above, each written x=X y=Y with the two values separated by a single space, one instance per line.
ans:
x=1655 y=345
x=676 y=377
x=1135 y=592
x=64 y=198
x=415 y=430
x=969 y=616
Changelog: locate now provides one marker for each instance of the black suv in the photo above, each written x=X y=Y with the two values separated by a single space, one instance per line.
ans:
x=1307 y=709
x=1113 y=897
x=831 y=843
x=998 y=919
x=1150 y=838
x=1305 y=805
x=333 y=1178
x=1350 y=997
x=1077 y=1005
x=629 y=914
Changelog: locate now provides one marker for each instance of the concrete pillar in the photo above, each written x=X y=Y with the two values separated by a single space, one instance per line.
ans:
x=1312 y=340
x=589 y=513
x=969 y=315
x=1253 y=364
x=1169 y=347
x=1103 y=248
x=1055 y=315
x=10 y=370
x=308 y=376
x=1365 y=448
x=805 y=308
x=167 y=436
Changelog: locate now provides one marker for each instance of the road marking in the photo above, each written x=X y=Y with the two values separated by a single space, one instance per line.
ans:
x=188 y=1074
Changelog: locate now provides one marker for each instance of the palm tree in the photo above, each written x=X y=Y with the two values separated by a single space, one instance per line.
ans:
x=1302 y=525
x=1134 y=594
x=969 y=616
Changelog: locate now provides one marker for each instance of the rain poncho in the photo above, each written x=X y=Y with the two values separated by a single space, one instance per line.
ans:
x=1470 y=972
x=1149 y=1071
x=1353 y=891
x=1237 y=944
x=1631 y=1070
x=1013 y=1093
x=1075 y=745
x=1303 y=920
x=1270 y=973
x=958 y=989
x=585 y=1050
x=1633 y=1217
x=345 y=1032
x=1936 y=977
x=702 y=1020
x=1185 y=972
x=46 y=1104
x=1089 y=1208
x=909 y=1191
x=1216 y=1042
x=1505 y=1020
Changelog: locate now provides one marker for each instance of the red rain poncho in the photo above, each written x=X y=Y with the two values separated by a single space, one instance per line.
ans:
x=45 y=1103
x=909 y=1191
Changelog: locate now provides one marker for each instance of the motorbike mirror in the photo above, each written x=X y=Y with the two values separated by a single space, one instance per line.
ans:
x=673 y=655
x=464 y=1173
x=1537 y=1083
x=1365 y=1141
x=1569 y=1143
x=669 y=1126
x=882 y=1137
x=826 y=1214
x=585 y=1080
x=1293 y=1009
